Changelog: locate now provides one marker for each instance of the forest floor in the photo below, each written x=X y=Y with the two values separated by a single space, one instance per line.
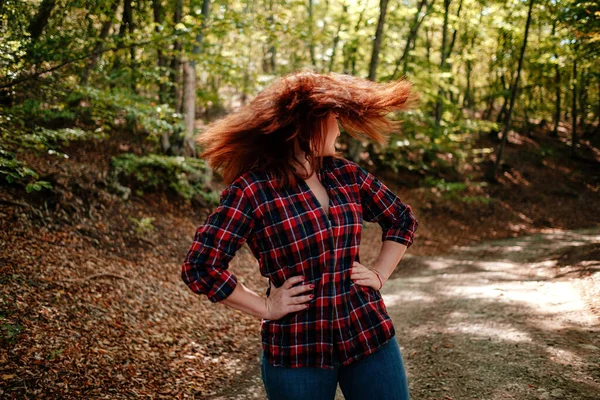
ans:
x=501 y=319
x=499 y=297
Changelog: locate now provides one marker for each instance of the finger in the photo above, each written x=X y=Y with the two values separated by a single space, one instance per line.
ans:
x=301 y=307
x=359 y=275
x=301 y=299
x=297 y=307
x=293 y=280
x=301 y=289
x=359 y=268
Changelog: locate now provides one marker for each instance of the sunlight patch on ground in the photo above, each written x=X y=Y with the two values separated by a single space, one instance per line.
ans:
x=563 y=356
x=504 y=332
x=393 y=300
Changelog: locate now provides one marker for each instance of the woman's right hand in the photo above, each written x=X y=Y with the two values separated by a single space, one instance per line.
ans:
x=283 y=300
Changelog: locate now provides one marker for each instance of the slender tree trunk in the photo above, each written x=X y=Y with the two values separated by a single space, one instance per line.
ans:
x=428 y=48
x=505 y=101
x=451 y=49
x=583 y=101
x=189 y=107
x=351 y=48
x=355 y=146
x=323 y=65
x=36 y=27
x=336 y=38
x=469 y=95
x=383 y=4
x=40 y=21
x=123 y=29
x=161 y=59
x=189 y=84
x=513 y=93
x=438 y=105
x=557 y=85
x=176 y=61
x=574 y=106
x=311 y=38
x=412 y=36
x=270 y=59
x=249 y=10
x=598 y=107
x=92 y=61
x=132 y=61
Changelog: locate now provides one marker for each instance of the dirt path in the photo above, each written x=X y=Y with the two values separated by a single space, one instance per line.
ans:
x=499 y=320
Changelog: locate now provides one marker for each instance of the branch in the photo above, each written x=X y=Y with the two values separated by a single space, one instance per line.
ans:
x=93 y=53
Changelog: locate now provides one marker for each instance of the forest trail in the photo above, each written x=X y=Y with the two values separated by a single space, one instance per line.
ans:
x=497 y=320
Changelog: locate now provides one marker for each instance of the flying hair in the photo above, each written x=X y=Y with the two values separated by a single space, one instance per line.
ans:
x=290 y=115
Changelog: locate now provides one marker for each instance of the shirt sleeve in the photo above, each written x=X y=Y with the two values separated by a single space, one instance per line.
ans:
x=381 y=205
x=205 y=268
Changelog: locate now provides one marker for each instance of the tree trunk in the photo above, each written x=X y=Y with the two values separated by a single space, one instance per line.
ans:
x=40 y=21
x=438 y=105
x=189 y=107
x=162 y=60
x=451 y=49
x=412 y=36
x=91 y=63
x=557 y=85
x=428 y=48
x=513 y=94
x=336 y=38
x=270 y=58
x=123 y=29
x=351 y=48
x=132 y=63
x=583 y=100
x=383 y=4
x=176 y=61
x=311 y=38
x=36 y=27
x=189 y=86
x=469 y=102
x=574 y=105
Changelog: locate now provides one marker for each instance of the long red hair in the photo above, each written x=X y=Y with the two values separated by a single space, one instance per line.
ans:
x=289 y=115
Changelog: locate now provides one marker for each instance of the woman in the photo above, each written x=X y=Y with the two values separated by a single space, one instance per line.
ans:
x=300 y=206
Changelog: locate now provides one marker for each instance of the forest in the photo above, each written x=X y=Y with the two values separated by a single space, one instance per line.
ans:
x=102 y=186
x=85 y=69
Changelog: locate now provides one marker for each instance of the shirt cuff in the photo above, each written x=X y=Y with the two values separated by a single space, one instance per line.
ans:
x=222 y=291
x=405 y=238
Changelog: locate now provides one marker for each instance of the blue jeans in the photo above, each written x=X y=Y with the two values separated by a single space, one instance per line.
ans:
x=380 y=375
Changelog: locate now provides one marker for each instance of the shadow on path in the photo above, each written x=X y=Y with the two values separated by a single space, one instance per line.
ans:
x=503 y=319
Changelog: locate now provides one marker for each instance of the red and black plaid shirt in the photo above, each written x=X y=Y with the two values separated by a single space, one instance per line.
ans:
x=290 y=234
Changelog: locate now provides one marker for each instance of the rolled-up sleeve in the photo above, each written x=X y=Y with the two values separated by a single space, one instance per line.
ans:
x=381 y=205
x=205 y=268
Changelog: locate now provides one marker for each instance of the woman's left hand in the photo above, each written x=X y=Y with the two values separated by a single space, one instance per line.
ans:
x=364 y=276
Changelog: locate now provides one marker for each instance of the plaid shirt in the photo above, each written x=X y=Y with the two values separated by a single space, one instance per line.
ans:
x=290 y=234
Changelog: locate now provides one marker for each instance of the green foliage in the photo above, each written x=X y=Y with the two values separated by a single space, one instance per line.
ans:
x=101 y=106
x=427 y=150
x=185 y=176
x=20 y=133
x=45 y=126
x=442 y=185
x=143 y=225
x=129 y=68
x=211 y=197
x=546 y=151
x=17 y=172
x=9 y=332
x=37 y=112
x=455 y=190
